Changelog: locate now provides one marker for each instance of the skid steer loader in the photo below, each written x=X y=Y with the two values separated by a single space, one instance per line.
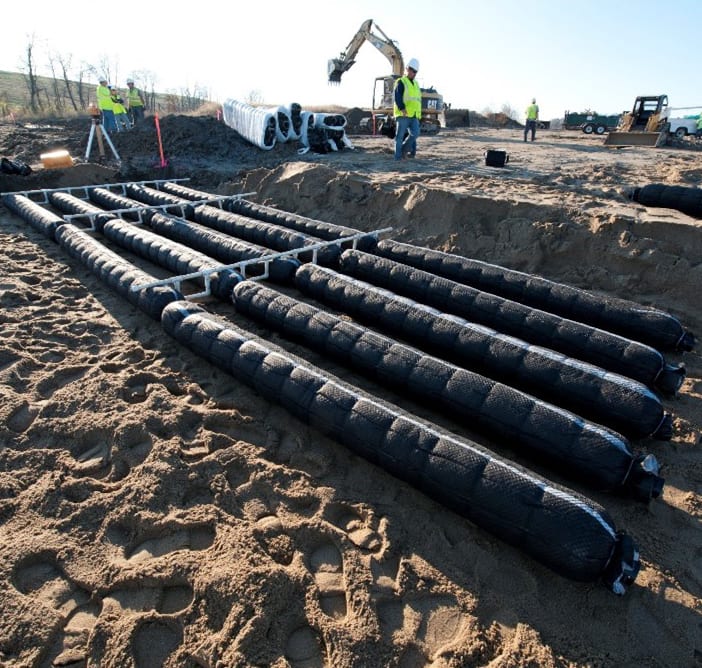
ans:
x=645 y=125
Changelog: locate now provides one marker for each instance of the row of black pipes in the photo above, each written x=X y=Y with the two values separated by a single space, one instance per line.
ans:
x=540 y=366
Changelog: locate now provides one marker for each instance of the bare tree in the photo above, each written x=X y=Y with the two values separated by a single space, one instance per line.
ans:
x=54 y=97
x=510 y=112
x=64 y=63
x=31 y=78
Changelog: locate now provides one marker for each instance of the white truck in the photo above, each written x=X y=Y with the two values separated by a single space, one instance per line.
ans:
x=682 y=126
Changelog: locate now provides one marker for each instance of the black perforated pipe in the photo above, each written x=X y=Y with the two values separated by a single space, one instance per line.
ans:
x=581 y=449
x=575 y=339
x=177 y=258
x=565 y=531
x=620 y=403
x=650 y=326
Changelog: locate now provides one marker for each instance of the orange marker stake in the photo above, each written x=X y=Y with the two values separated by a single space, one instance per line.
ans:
x=164 y=162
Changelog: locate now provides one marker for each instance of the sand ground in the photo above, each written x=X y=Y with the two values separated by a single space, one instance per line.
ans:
x=156 y=511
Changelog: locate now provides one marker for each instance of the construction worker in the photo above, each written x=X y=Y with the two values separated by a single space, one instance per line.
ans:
x=120 y=111
x=532 y=115
x=407 y=111
x=698 y=133
x=135 y=103
x=104 y=104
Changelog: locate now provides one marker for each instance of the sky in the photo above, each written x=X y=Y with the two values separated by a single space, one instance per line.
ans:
x=597 y=55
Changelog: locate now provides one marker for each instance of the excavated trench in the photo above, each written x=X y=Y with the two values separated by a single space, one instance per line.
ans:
x=606 y=248
x=505 y=232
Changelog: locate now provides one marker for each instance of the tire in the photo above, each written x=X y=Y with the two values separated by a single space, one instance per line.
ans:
x=600 y=129
x=588 y=128
x=681 y=133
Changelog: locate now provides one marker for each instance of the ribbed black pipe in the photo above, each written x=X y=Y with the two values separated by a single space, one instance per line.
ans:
x=73 y=205
x=223 y=247
x=109 y=200
x=575 y=339
x=609 y=399
x=266 y=234
x=40 y=218
x=185 y=192
x=158 y=198
x=317 y=228
x=582 y=450
x=115 y=271
x=686 y=199
x=160 y=250
x=641 y=323
x=563 y=530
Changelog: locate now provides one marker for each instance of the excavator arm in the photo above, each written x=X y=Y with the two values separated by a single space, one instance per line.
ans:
x=337 y=66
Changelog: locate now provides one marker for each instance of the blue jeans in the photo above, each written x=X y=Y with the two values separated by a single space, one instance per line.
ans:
x=108 y=120
x=406 y=144
x=530 y=127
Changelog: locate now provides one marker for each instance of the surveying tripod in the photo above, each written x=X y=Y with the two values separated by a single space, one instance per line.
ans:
x=97 y=129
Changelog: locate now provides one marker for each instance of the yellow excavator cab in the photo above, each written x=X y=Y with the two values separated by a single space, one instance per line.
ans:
x=645 y=125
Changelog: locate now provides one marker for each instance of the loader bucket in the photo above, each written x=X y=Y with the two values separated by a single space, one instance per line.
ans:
x=653 y=139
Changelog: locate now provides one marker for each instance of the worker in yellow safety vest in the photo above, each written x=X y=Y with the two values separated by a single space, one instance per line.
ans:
x=407 y=111
x=120 y=111
x=104 y=104
x=532 y=116
x=135 y=103
x=698 y=134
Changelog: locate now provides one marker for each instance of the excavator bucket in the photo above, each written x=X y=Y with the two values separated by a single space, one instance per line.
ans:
x=335 y=68
x=653 y=139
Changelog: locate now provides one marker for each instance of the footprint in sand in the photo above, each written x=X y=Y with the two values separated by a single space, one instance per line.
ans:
x=356 y=525
x=157 y=632
x=429 y=623
x=41 y=578
x=327 y=566
x=188 y=538
x=106 y=456
x=154 y=641
x=166 y=600
x=304 y=649
x=53 y=382
x=21 y=418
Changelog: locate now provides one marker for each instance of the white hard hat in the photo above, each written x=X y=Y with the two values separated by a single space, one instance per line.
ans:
x=130 y=81
x=533 y=100
x=414 y=64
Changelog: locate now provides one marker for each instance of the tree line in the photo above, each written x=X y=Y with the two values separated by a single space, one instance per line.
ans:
x=68 y=88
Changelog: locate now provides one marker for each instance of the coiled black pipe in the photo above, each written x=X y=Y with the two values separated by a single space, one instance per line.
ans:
x=596 y=346
x=581 y=449
x=649 y=325
x=620 y=403
x=565 y=531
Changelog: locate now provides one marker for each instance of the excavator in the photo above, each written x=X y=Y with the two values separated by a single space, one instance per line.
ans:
x=433 y=117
